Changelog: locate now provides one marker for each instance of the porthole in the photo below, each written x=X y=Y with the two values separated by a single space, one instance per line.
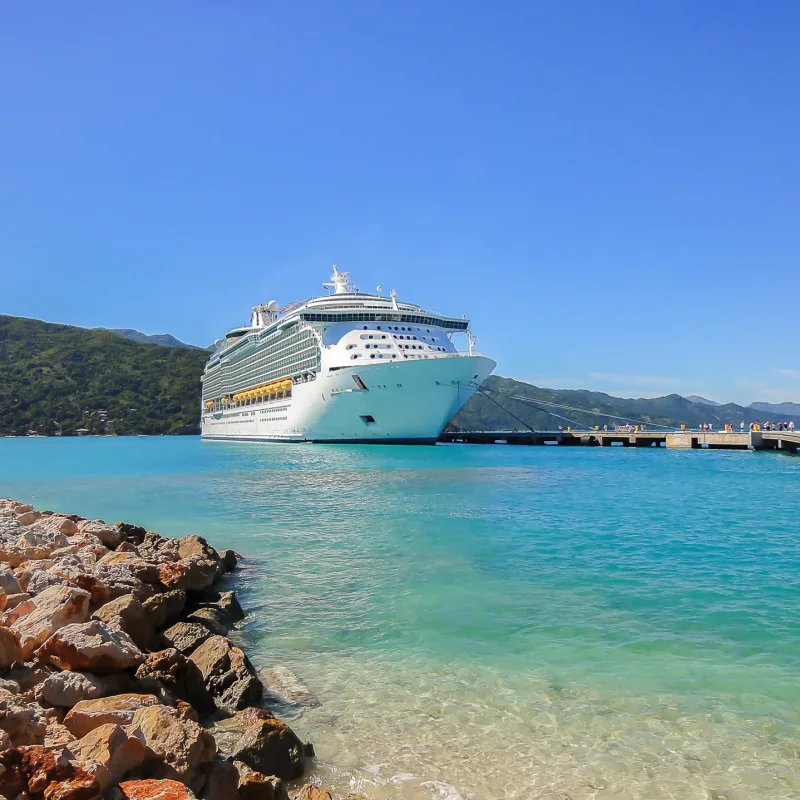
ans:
x=394 y=355
x=379 y=327
x=373 y=355
x=370 y=336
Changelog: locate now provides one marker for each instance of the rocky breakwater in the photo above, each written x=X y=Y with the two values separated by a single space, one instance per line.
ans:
x=117 y=676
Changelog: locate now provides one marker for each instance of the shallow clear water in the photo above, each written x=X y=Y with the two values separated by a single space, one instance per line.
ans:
x=493 y=622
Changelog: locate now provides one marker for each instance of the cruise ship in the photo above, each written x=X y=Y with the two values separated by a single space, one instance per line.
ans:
x=344 y=367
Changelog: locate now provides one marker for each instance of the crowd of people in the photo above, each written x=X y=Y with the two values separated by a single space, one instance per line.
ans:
x=708 y=427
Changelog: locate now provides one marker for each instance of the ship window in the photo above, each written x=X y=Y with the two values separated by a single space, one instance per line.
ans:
x=394 y=355
x=359 y=383
x=373 y=355
x=379 y=327
x=370 y=336
x=368 y=419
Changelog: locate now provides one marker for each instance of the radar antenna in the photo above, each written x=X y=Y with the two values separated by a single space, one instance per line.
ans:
x=340 y=282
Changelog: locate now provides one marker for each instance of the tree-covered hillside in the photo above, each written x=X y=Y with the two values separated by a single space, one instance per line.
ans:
x=481 y=413
x=62 y=378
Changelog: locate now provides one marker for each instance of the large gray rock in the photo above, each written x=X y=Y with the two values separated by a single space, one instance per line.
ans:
x=65 y=689
x=24 y=723
x=8 y=582
x=92 y=647
x=282 y=685
x=117 y=710
x=54 y=608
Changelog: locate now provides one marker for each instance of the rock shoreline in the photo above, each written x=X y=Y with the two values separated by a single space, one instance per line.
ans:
x=118 y=679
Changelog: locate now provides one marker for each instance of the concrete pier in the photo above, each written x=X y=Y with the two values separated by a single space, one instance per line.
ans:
x=679 y=440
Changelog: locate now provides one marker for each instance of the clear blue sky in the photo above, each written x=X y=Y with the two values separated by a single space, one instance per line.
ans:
x=610 y=191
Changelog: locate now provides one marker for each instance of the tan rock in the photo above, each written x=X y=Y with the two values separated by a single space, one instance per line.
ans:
x=202 y=572
x=256 y=786
x=90 y=646
x=57 y=735
x=54 y=608
x=17 y=605
x=60 y=523
x=128 y=614
x=311 y=792
x=108 y=535
x=212 y=618
x=112 y=746
x=194 y=545
x=262 y=742
x=221 y=781
x=181 y=677
x=172 y=738
x=165 y=608
x=186 y=636
x=29 y=517
x=228 y=674
x=10 y=650
x=155 y=790
x=119 y=709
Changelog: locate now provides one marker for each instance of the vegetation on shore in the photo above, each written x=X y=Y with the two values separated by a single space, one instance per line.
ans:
x=60 y=379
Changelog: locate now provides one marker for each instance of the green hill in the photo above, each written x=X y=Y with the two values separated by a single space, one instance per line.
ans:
x=62 y=378
x=503 y=413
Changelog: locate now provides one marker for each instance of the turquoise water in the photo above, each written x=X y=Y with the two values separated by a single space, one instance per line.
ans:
x=493 y=622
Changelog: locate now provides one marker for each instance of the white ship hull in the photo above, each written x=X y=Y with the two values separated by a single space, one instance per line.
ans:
x=405 y=401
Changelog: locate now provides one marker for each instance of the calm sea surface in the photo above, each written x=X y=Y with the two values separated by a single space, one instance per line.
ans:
x=493 y=622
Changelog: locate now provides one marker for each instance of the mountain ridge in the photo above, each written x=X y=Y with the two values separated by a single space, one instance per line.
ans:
x=503 y=412
x=163 y=339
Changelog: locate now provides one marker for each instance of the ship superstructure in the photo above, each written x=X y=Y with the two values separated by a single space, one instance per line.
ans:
x=343 y=367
